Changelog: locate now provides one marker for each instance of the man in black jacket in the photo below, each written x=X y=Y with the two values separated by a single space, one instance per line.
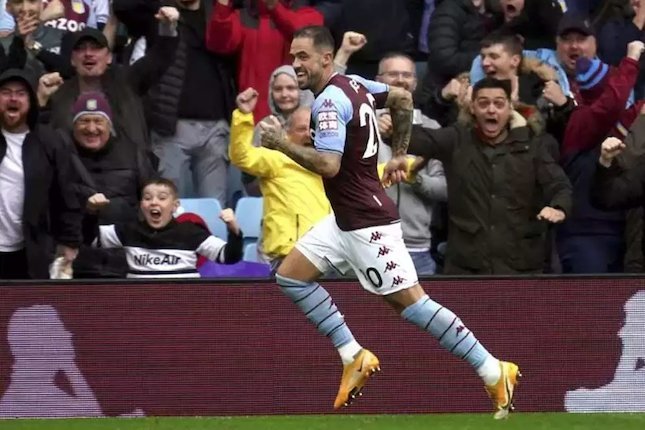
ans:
x=124 y=85
x=190 y=106
x=37 y=208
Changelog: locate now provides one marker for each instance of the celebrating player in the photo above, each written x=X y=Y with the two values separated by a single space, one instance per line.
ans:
x=364 y=233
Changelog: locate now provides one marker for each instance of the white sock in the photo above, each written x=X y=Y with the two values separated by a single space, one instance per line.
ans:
x=490 y=371
x=348 y=351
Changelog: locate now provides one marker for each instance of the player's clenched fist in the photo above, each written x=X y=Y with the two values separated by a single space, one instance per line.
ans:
x=271 y=134
x=247 y=100
x=610 y=148
x=551 y=215
x=228 y=216
x=395 y=171
x=385 y=125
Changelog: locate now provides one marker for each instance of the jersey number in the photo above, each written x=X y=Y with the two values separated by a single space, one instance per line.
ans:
x=368 y=118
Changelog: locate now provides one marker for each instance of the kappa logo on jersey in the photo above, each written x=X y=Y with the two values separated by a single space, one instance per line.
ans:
x=460 y=329
x=354 y=85
x=327 y=104
x=148 y=260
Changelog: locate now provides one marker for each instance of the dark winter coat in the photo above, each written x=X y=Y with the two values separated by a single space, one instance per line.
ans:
x=494 y=196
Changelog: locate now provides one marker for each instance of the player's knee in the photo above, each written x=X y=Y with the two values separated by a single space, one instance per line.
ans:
x=285 y=281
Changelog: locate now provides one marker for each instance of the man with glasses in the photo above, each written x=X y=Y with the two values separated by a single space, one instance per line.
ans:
x=417 y=198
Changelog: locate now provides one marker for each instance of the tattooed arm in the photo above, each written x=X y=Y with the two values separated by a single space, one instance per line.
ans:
x=399 y=101
x=326 y=164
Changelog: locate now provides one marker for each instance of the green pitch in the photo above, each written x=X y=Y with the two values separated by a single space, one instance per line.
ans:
x=347 y=422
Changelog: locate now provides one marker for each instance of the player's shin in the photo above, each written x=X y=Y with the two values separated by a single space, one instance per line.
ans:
x=453 y=335
x=318 y=306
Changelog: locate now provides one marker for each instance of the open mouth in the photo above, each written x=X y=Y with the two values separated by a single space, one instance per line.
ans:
x=490 y=125
x=511 y=9
x=89 y=64
x=155 y=214
x=13 y=111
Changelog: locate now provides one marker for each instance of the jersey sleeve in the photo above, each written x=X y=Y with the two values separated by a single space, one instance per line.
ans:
x=331 y=112
x=212 y=248
x=378 y=89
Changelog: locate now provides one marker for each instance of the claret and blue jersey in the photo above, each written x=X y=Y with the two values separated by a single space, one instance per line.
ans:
x=344 y=122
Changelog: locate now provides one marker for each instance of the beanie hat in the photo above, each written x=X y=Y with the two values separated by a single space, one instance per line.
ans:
x=590 y=73
x=92 y=102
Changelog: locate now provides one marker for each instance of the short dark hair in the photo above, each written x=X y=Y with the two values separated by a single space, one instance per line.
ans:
x=503 y=84
x=161 y=181
x=512 y=42
x=395 y=54
x=321 y=36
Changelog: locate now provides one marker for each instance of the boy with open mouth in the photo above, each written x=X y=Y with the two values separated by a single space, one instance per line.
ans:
x=160 y=247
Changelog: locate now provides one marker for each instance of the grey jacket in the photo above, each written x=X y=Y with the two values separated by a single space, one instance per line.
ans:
x=417 y=200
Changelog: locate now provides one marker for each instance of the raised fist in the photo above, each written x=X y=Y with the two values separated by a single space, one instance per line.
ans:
x=247 y=100
x=168 y=15
x=353 y=41
x=635 y=49
x=228 y=216
x=609 y=150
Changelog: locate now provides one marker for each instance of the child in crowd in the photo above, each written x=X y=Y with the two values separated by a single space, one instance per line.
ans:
x=161 y=247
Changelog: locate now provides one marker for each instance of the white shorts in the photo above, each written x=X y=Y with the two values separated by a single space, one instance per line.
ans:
x=377 y=255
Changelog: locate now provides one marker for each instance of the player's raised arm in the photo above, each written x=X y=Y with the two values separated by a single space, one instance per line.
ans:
x=331 y=112
x=273 y=136
x=399 y=101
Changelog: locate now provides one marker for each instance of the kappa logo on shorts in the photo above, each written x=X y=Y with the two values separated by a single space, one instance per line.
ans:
x=397 y=280
x=376 y=235
x=390 y=266
x=383 y=251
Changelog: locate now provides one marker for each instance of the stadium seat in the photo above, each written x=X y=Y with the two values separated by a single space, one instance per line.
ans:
x=209 y=209
x=251 y=253
x=249 y=214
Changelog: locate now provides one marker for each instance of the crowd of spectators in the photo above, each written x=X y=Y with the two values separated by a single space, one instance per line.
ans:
x=98 y=97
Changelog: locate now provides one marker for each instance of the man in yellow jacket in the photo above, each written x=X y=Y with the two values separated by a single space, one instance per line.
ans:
x=294 y=198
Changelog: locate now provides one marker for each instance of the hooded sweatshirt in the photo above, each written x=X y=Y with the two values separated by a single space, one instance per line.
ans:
x=306 y=99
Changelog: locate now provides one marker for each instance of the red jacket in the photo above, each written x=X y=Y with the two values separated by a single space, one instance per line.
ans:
x=195 y=219
x=261 y=42
x=590 y=123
